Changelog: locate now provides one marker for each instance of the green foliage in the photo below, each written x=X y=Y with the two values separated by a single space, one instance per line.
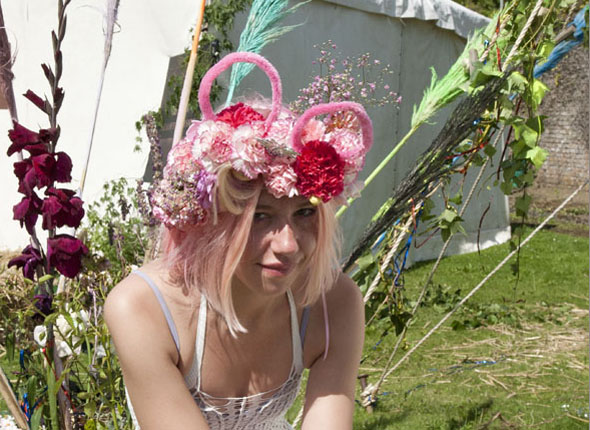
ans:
x=115 y=231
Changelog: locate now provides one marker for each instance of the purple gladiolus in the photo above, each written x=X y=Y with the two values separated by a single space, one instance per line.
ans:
x=28 y=261
x=61 y=208
x=43 y=303
x=24 y=139
x=42 y=170
x=65 y=253
x=27 y=211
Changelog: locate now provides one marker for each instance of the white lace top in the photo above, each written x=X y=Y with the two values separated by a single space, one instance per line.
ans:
x=262 y=411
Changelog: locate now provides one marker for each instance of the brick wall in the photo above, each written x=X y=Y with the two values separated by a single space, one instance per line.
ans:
x=566 y=125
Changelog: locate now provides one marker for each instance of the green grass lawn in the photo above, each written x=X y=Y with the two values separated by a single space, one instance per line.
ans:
x=525 y=365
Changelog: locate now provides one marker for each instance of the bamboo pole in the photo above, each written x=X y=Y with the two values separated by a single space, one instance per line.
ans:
x=188 y=78
x=11 y=402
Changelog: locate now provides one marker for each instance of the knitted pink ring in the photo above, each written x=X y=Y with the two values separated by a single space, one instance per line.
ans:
x=325 y=108
x=226 y=62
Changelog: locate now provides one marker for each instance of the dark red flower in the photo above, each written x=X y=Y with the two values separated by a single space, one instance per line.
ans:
x=37 y=101
x=42 y=170
x=65 y=254
x=27 y=211
x=61 y=208
x=24 y=139
x=239 y=114
x=43 y=303
x=28 y=260
x=319 y=170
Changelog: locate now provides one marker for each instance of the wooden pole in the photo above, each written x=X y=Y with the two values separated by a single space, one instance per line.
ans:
x=188 y=78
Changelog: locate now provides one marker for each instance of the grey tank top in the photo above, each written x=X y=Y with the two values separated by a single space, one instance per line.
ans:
x=261 y=411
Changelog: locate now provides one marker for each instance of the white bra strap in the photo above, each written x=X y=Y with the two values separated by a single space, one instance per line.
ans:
x=296 y=338
x=200 y=341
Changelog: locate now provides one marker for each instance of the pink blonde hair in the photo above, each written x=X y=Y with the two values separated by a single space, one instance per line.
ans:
x=205 y=257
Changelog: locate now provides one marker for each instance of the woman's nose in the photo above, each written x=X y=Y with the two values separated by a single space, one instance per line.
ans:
x=285 y=240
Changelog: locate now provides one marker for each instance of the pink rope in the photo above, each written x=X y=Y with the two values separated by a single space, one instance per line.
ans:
x=226 y=62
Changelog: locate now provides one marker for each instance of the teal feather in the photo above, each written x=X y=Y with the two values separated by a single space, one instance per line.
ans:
x=260 y=30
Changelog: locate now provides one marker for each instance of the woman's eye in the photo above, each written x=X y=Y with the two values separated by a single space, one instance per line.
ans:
x=306 y=212
x=258 y=216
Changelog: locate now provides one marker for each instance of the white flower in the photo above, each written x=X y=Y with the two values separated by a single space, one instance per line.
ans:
x=100 y=351
x=62 y=331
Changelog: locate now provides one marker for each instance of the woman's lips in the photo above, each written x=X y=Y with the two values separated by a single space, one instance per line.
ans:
x=276 y=269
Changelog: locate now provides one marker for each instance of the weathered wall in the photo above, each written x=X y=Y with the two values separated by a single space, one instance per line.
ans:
x=566 y=128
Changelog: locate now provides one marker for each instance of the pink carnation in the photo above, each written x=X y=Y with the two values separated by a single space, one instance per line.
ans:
x=349 y=146
x=313 y=130
x=180 y=157
x=280 y=180
x=280 y=131
x=250 y=157
x=213 y=140
x=239 y=114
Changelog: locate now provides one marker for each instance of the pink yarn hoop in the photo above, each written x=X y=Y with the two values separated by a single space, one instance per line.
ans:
x=325 y=108
x=226 y=62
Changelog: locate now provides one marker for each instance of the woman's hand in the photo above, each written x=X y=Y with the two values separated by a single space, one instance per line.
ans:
x=148 y=358
x=329 y=398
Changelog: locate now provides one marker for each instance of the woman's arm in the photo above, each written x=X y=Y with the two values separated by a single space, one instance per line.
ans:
x=148 y=355
x=329 y=399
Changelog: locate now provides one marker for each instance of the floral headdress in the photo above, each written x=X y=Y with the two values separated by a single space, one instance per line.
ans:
x=318 y=159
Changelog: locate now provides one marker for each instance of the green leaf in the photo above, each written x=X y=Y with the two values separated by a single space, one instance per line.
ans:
x=45 y=278
x=36 y=418
x=457 y=198
x=489 y=150
x=506 y=187
x=448 y=215
x=538 y=92
x=365 y=261
x=522 y=204
x=537 y=156
x=517 y=80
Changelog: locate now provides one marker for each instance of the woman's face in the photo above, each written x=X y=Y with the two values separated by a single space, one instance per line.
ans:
x=282 y=240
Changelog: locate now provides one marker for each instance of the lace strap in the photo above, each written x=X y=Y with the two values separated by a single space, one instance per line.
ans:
x=163 y=306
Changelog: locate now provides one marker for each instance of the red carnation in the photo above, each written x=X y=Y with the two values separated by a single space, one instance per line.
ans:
x=61 y=208
x=239 y=114
x=320 y=171
x=65 y=254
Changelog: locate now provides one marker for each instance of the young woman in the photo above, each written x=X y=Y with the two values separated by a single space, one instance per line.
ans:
x=216 y=332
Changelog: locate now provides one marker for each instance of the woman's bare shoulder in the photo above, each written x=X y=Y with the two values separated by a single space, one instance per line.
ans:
x=344 y=297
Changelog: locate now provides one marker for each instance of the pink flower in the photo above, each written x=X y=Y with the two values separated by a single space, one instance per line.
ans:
x=280 y=180
x=250 y=157
x=61 y=208
x=350 y=147
x=180 y=157
x=313 y=130
x=213 y=141
x=28 y=261
x=65 y=253
x=280 y=130
x=319 y=170
x=239 y=114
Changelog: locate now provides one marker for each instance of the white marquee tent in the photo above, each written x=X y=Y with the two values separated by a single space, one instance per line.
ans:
x=410 y=35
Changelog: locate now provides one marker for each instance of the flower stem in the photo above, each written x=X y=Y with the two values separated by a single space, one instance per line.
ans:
x=379 y=168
